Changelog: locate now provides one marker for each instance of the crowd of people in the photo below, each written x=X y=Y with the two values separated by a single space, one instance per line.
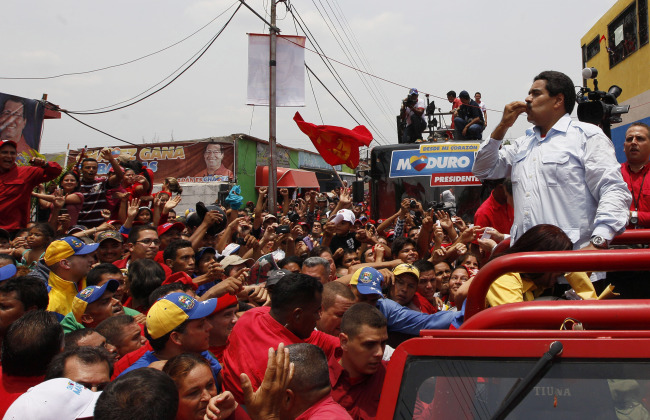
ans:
x=117 y=307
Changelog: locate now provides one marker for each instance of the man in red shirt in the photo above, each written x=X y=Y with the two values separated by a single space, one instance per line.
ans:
x=17 y=183
x=635 y=170
x=295 y=309
x=29 y=346
x=497 y=210
x=358 y=377
x=295 y=386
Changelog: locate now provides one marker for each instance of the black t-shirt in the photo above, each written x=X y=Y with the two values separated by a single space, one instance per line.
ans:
x=470 y=111
x=346 y=241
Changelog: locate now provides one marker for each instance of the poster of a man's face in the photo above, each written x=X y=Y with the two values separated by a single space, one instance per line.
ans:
x=213 y=156
x=20 y=121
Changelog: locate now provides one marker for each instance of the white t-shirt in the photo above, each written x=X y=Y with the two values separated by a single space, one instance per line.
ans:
x=409 y=112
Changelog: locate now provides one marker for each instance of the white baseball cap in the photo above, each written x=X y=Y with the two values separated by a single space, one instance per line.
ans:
x=344 y=215
x=60 y=398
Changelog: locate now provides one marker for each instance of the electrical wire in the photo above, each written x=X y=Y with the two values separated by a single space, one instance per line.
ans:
x=126 y=62
x=315 y=99
x=349 y=55
x=97 y=129
x=205 y=49
x=361 y=54
x=334 y=73
x=333 y=96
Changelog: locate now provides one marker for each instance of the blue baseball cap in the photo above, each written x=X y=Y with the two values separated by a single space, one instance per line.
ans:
x=413 y=91
x=7 y=272
x=89 y=295
x=368 y=281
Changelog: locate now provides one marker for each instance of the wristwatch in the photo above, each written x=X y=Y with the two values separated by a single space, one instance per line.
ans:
x=599 y=242
x=634 y=217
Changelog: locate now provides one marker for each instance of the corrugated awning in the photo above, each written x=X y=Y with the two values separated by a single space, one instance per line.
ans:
x=287 y=178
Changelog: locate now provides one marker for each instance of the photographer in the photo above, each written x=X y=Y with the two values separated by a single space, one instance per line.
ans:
x=411 y=113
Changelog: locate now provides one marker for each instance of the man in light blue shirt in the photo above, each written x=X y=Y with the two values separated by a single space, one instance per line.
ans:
x=366 y=286
x=563 y=172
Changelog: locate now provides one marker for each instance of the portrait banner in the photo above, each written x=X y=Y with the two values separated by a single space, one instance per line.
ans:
x=290 y=70
x=187 y=161
x=21 y=121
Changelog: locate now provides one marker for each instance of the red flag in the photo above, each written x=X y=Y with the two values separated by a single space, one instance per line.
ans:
x=337 y=145
x=602 y=38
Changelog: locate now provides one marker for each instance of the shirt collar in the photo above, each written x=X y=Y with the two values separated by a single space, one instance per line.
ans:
x=561 y=126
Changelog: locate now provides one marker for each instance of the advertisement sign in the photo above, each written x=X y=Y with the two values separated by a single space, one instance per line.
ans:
x=314 y=161
x=21 y=121
x=281 y=156
x=446 y=164
x=186 y=161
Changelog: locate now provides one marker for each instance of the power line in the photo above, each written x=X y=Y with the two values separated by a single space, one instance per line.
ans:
x=97 y=129
x=126 y=62
x=170 y=82
x=361 y=54
x=333 y=71
x=349 y=55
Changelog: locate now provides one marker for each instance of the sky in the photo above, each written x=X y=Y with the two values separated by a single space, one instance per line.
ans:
x=494 y=47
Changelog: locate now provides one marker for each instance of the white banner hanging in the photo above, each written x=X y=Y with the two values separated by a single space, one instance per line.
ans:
x=290 y=73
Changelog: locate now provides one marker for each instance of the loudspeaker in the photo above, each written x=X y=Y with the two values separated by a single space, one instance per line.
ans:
x=357 y=192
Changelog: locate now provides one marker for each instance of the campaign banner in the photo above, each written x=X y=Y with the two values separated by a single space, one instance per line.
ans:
x=187 y=161
x=21 y=121
x=452 y=179
x=436 y=159
x=289 y=73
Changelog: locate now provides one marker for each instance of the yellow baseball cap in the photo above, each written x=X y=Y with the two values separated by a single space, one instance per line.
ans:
x=172 y=310
x=66 y=247
x=406 y=268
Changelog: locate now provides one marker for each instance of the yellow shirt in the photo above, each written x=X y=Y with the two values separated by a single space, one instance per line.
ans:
x=511 y=288
x=61 y=294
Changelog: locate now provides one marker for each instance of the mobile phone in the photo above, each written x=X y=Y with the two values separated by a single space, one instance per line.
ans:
x=282 y=229
x=63 y=211
x=486 y=233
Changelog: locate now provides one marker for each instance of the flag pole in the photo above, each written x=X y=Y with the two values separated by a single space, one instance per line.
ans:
x=338 y=176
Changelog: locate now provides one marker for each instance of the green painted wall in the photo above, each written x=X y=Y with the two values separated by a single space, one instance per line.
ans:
x=246 y=164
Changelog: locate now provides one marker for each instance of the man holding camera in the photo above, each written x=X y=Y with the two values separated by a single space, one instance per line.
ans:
x=412 y=112
x=563 y=172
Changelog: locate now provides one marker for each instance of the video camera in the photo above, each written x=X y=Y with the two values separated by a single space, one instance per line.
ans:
x=409 y=102
x=598 y=107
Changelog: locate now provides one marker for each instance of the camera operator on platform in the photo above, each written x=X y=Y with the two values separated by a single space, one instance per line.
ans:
x=412 y=112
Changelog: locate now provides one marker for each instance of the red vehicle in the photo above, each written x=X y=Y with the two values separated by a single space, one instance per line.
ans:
x=514 y=361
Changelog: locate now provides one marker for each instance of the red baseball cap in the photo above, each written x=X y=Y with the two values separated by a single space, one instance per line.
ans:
x=167 y=226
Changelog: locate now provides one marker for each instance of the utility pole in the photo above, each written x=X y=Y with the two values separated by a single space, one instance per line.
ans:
x=273 y=173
